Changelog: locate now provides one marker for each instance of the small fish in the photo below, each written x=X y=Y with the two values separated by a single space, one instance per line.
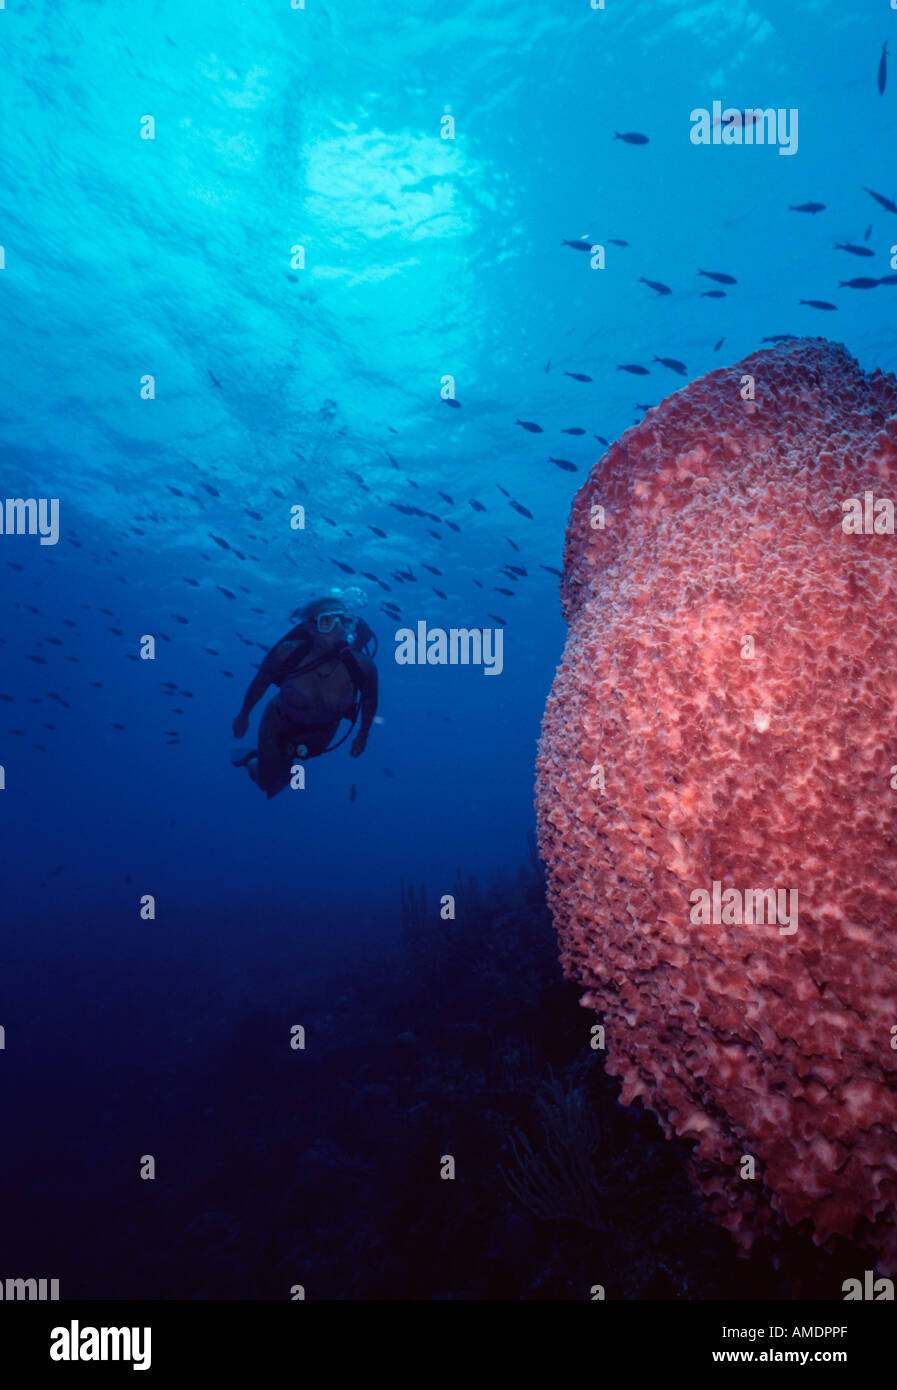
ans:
x=353 y=792
x=226 y=673
x=578 y=376
x=194 y=582
x=634 y=368
x=214 y=380
x=256 y=516
x=213 y=491
x=573 y=430
x=713 y=294
x=719 y=276
x=673 y=365
x=392 y=461
x=551 y=570
x=527 y=425
x=118 y=726
x=450 y=400
x=218 y=541
x=478 y=584
x=868 y=232
x=567 y=466
x=512 y=544
x=440 y=593
x=519 y=569
x=477 y=506
x=806 y=207
x=508 y=593
x=377 y=532
x=854 y=250
x=860 y=282
x=497 y=619
x=779 y=338
x=347 y=569
x=888 y=280
x=880 y=198
x=435 y=534
x=452 y=525
x=389 y=772
x=602 y=440
x=632 y=137
x=227 y=594
x=432 y=569
x=176 y=490
x=548 y=366
x=883 y=69
x=612 y=241
x=818 y=303
x=578 y=245
x=503 y=490
x=519 y=507
x=445 y=497
x=655 y=285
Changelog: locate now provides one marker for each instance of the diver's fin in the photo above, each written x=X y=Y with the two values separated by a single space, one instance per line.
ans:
x=240 y=756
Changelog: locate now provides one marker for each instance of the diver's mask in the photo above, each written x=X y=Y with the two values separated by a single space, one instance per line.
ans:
x=327 y=622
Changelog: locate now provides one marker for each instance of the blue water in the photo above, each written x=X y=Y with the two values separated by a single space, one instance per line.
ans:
x=424 y=257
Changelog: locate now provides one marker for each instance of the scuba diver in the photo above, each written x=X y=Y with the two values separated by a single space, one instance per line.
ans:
x=325 y=674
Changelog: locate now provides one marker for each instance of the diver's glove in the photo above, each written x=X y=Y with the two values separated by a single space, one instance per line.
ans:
x=359 y=743
x=240 y=725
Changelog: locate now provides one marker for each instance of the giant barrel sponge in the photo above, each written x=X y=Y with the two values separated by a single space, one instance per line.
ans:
x=725 y=718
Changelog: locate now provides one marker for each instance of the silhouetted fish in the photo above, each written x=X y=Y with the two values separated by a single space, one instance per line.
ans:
x=551 y=570
x=452 y=525
x=713 y=294
x=512 y=544
x=431 y=568
x=888 y=280
x=613 y=241
x=527 y=425
x=218 y=541
x=634 y=368
x=818 y=303
x=565 y=464
x=719 y=276
x=883 y=68
x=508 y=593
x=214 y=380
x=573 y=430
x=868 y=232
x=347 y=569
x=806 y=207
x=212 y=490
x=176 y=490
x=377 y=532
x=860 y=282
x=353 y=792
x=440 y=593
x=519 y=507
x=450 y=400
x=503 y=490
x=578 y=376
x=227 y=594
x=673 y=365
x=578 y=245
x=497 y=619
x=601 y=440
x=854 y=250
x=632 y=137
x=445 y=497
x=477 y=506
x=655 y=285
x=880 y=198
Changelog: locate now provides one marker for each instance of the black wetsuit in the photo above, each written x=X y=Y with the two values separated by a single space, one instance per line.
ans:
x=293 y=718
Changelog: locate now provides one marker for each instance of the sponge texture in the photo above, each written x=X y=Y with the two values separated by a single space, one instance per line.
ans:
x=725 y=713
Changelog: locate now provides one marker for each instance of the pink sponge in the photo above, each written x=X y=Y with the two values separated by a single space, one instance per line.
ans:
x=726 y=714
